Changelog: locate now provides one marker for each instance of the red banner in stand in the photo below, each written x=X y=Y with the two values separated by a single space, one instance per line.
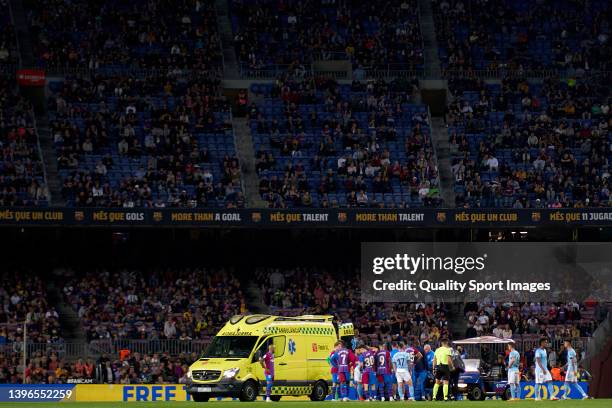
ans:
x=31 y=77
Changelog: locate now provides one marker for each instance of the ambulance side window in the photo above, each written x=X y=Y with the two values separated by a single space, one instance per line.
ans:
x=279 y=347
x=263 y=348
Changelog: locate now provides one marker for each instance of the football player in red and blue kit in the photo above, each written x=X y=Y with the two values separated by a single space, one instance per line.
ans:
x=367 y=360
x=333 y=362
x=384 y=373
x=345 y=360
x=267 y=362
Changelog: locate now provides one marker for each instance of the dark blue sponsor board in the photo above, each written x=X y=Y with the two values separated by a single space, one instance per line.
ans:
x=36 y=392
x=354 y=217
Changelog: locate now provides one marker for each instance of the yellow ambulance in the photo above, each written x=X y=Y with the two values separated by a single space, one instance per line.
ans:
x=230 y=365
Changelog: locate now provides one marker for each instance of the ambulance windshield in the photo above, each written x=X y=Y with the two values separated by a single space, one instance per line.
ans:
x=230 y=347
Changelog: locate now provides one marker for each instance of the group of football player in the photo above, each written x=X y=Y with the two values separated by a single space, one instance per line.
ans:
x=380 y=373
x=384 y=372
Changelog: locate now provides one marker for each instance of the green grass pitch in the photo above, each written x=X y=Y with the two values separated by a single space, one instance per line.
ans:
x=597 y=403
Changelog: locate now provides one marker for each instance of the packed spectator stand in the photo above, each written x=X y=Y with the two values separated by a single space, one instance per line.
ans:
x=323 y=144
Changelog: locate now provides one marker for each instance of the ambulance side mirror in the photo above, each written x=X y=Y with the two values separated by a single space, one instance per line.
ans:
x=256 y=356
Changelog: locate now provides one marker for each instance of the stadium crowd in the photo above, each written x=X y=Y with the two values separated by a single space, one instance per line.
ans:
x=369 y=34
x=524 y=35
x=24 y=300
x=132 y=368
x=320 y=143
x=523 y=144
x=117 y=36
x=183 y=304
x=152 y=141
x=533 y=320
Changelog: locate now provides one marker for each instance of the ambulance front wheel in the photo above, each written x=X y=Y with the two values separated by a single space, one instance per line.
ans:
x=476 y=394
x=275 y=398
x=249 y=391
x=319 y=391
x=200 y=397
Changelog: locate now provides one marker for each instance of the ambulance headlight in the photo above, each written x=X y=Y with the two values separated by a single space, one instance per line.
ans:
x=189 y=375
x=461 y=385
x=231 y=373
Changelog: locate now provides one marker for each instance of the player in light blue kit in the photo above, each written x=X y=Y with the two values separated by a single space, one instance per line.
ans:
x=401 y=366
x=571 y=372
x=542 y=374
x=514 y=376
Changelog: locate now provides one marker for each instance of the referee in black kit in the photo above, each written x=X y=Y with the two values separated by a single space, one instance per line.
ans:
x=442 y=365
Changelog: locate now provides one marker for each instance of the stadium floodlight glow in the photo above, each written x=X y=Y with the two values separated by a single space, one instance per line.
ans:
x=231 y=373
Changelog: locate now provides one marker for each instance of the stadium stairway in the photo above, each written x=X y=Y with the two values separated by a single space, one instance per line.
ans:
x=70 y=324
x=254 y=299
x=430 y=43
x=599 y=340
x=440 y=139
x=253 y=97
x=27 y=59
x=246 y=156
x=432 y=81
x=22 y=31
x=598 y=359
x=456 y=320
x=49 y=160
x=231 y=69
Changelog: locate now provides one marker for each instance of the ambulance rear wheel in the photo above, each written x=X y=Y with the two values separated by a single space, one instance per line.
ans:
x=200 y=397
x=319 y=391
x=249 y=391
x=275 y=398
